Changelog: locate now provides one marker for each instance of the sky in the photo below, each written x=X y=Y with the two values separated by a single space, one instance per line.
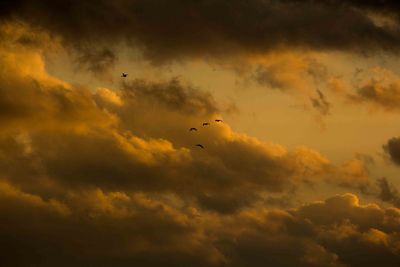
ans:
x=102 y=170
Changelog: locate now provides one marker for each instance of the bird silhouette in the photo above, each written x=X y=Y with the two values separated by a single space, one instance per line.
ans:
x=199 y=145
x=193 y=129
x=206 y=123
x=218 y=120
x=124 y=75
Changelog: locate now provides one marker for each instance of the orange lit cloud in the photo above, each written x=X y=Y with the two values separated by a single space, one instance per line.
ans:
x=111 y=175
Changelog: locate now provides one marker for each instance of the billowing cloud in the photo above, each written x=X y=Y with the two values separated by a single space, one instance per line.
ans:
x=81 y=230
x=95 y=226
x=150 y=152
x=346 y=226
x=66 y=135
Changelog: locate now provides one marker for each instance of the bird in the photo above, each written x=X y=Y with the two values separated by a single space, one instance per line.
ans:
x=217 y=120
x=206 y=123
x=124 y=75
x=199 y=145
x=193 y=129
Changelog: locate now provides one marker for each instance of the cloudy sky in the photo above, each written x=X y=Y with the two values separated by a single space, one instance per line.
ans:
x=101 y=170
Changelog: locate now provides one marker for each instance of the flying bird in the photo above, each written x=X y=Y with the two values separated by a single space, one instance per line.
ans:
x=218 y=120
x=124 y=75
x=206 y=123
x=193 y=129
x=200 y=146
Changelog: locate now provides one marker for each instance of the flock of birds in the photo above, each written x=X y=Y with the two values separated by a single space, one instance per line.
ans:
x=204 y=124
x=124 y=75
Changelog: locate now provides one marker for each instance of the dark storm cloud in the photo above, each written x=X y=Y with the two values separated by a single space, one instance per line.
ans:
x=173 y=29
x=378 y=6
x=392 y=147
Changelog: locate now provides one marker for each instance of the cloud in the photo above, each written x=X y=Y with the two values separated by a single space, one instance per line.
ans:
x=173 y=95
x=150 y=229
x=164 y=30
x=125 y=144
x=283 y=71
x=377 y=88
x=96 y=220
x=388 y=192
x=291 y=72
x=392 y=147
x=235 y=167
x=74 y=137
x=353 y=174
x=100 y=62
x=320 y=103
x=32 y=98
x=385 y=96
x=347 y=226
